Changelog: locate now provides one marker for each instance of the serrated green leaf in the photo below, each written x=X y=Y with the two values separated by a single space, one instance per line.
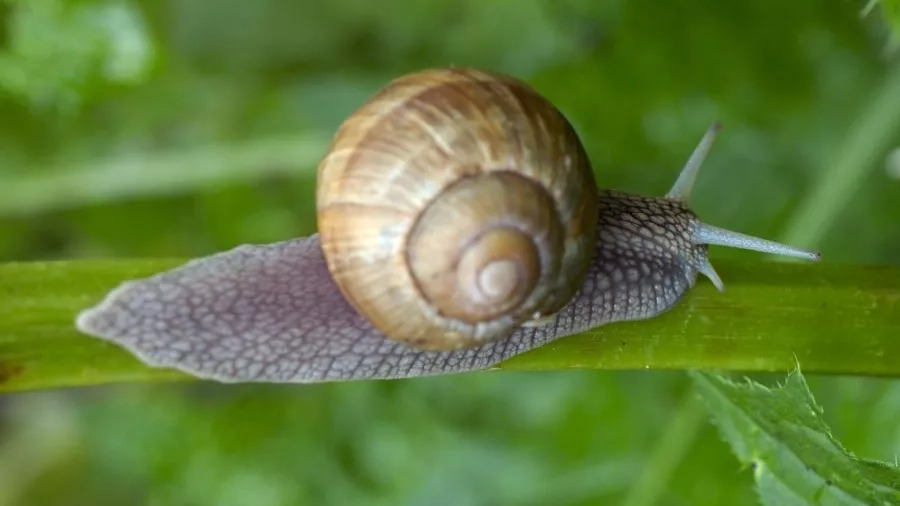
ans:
x=796 y=460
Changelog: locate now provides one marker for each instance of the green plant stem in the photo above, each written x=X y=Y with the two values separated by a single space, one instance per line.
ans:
x=868 y=138
x=832 y=319
x=147 y=174
x=674 y=443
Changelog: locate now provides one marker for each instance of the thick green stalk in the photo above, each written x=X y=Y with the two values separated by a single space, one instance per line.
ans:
x=830 y=319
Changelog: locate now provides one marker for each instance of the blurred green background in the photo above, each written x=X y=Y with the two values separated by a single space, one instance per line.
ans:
x=179 y=128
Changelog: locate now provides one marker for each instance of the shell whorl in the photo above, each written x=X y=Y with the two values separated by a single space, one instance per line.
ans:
x=454 y=206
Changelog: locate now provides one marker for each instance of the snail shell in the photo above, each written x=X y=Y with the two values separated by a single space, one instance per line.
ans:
x=454 y=206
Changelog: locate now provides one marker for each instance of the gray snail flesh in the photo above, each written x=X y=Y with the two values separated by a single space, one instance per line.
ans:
x=273 y=313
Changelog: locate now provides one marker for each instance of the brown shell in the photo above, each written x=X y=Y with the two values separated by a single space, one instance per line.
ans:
x=454 y=206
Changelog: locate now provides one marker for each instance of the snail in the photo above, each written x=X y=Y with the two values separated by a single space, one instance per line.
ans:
x=459 y=224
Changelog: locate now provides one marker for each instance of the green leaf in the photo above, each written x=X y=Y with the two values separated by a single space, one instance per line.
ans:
x=795 y=458
x=834 y=319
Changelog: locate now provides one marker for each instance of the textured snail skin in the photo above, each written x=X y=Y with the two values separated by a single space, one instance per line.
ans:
x=272 y=313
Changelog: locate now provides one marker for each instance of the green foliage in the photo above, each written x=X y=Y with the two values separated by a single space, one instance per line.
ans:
x=795 y=458
x=891 y=11
x=59 y=52
x=176 y=128
x=762 y=323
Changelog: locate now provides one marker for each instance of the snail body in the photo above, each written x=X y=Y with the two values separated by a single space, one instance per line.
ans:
x=460 y=224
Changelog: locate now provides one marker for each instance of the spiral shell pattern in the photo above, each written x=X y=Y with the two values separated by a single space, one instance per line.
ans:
x=454 y=206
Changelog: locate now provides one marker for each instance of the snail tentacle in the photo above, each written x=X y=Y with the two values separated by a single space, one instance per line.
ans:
x=684 y=185
x=706 y=234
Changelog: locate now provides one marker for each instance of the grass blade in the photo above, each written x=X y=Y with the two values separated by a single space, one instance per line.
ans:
x=832 y=319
